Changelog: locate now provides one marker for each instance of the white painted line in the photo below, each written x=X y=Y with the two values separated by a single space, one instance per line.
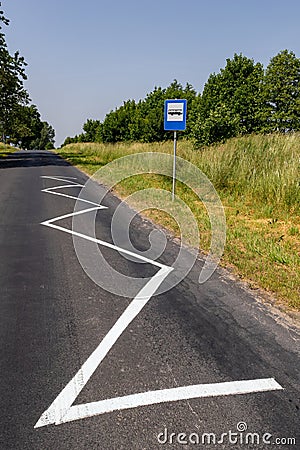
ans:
x=72 y=185
x=65 y=216
x=60 y=194
x=58 y=178
x=61 y=409
x=169 y=395
x=49 y=223
x=62 y=187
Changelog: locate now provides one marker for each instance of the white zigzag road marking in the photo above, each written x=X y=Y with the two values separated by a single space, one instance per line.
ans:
x=72 y=185
x=61 y=410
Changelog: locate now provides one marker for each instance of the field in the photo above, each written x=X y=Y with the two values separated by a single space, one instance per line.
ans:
x=5 y=150
x=257 y=178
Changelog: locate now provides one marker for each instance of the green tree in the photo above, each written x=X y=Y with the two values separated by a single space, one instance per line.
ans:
x=221 y=124
x=20 y=122
x=12 y=76
x=91 y=130
x=118 y=125
x=29 y=131
x=151 y=116
x=67 y=141
x=236 y=91
x=110 y=127
x=26 y=126
x=281 y=93
x=46 y=138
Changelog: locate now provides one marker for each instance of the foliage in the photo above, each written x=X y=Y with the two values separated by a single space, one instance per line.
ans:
x=92 y=130
x=12 y=75
x=19 y=124
x=282 y=93
x=230 y=102
x=29 y=131
x=219 y=125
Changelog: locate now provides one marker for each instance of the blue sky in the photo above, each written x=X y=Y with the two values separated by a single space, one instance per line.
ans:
x=86 y=57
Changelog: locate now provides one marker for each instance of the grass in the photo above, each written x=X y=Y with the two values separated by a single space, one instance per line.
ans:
x=5 y=150
x=257 y=178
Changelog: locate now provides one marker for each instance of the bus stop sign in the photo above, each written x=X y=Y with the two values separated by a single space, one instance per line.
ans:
x=175 y=115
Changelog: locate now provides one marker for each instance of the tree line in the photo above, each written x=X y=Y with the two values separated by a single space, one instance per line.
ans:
x=242 y=98
x=20 y=121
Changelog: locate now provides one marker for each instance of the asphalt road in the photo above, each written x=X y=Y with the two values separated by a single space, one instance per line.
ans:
x=53 y=317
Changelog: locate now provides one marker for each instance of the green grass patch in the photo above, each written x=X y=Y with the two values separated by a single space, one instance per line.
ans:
x=5 y=150
x=258 y=180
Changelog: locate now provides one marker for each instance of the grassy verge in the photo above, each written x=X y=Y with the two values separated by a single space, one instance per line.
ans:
x=257 y=178
x=5 y=150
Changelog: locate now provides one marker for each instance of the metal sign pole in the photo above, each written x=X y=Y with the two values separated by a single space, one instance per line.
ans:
x=175 y=120
x=174 y=166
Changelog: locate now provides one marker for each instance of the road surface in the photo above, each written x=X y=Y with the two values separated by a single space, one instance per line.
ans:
x=212 y=366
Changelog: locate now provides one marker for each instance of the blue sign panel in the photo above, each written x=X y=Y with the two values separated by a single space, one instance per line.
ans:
x=175 y=115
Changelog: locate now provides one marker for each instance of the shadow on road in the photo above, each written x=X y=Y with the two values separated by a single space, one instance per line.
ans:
x=32 y=159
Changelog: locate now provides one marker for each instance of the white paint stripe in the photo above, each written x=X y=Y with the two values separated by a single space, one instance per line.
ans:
x=77 y=213
x=71 y=196
x=57 y=178
x=73 y=185
x=59 y=408
x=50 y=224
x=169 y=395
